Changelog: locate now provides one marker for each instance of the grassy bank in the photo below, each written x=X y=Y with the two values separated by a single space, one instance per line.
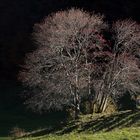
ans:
x=118 y=126
x=123 y=134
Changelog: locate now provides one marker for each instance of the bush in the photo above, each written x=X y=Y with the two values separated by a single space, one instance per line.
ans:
x=17 y=132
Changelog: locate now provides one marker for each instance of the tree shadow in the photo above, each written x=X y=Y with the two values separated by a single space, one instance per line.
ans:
x=105 y=123
x=120 y=120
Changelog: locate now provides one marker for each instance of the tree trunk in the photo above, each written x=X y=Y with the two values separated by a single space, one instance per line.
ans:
x=90 y=95
x=100 y=101
x=76 y=111
x=104 y=104
x=77 y=99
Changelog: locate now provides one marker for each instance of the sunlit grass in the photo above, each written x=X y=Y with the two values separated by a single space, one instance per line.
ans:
x=123 y=134
x=117 y=126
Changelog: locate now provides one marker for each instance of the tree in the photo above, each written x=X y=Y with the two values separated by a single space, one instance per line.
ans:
x=122 y=73
x=74 y=58
x=61 y=67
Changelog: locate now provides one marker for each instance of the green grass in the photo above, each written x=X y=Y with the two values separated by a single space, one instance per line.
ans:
x=124 y=134
x=118 y=126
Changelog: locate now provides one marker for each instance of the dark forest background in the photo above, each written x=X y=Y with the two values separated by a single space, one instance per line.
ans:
x=17 y=18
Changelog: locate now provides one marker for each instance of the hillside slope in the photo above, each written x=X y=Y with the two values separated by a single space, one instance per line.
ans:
x=118 y=126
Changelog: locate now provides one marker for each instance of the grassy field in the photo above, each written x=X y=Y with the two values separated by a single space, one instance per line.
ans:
x=124 y=134
x=117 y=126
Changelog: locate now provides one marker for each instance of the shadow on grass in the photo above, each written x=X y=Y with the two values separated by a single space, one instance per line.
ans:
x=29 y=122
x=39 y=125
x=106 y=123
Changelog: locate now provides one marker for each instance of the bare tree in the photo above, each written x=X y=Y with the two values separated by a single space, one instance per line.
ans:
x=122 y=73
x=127 y=36
x=73 y=57
x=62 y=66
